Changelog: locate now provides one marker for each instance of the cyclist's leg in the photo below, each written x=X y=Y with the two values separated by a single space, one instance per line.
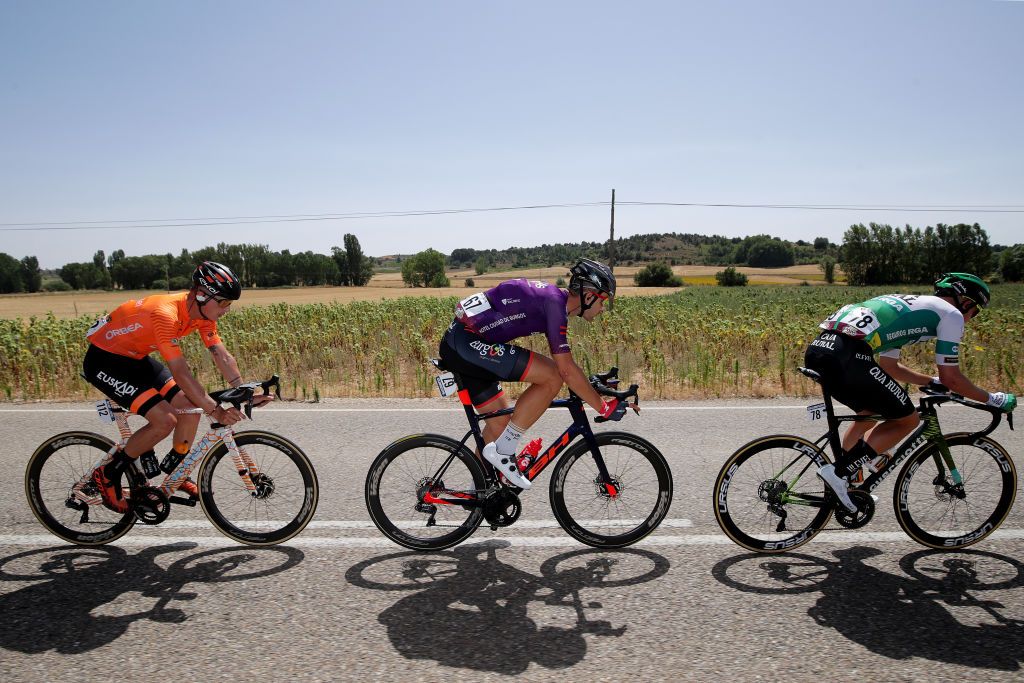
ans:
x=545 y=383
x=134 y=384
x=185 y=429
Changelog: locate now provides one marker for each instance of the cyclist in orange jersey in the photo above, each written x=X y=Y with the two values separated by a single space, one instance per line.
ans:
x=118 y=363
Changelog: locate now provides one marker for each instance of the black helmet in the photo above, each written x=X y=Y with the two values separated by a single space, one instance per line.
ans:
x=213 y=279
x=587 y=274
x=958 y=285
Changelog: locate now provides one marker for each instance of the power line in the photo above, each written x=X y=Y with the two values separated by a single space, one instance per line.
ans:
x=301 y=218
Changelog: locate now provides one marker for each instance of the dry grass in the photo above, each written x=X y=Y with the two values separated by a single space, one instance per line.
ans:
x=384 y=286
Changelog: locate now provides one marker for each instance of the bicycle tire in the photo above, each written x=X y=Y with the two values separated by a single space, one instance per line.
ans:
x=744 y=491
x=938 y=520
x=259 y=518
x=54 y=468
x=421 y=456
x=584 y=509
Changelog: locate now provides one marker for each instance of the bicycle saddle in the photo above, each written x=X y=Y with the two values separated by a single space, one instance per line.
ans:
x=810 y=374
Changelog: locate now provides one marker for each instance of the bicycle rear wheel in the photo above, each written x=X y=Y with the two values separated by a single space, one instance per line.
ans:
x=407 y=469
x=282 y=497
x=940 y=515
x=603 y=517
x=767 y=495
x=67 y=508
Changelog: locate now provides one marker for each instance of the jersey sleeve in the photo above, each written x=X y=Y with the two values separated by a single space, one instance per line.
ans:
x=164 y=319
x=557 y=325
x=208 y=333
x=948 y=334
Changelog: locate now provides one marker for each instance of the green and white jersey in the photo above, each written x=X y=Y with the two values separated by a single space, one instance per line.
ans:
x=889 y=322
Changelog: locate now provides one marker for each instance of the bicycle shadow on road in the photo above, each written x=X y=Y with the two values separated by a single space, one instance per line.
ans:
x=471 y=610
x=64 y=609
x=930 y=611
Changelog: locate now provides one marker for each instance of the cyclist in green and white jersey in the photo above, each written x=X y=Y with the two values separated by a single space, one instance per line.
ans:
x=844 y=355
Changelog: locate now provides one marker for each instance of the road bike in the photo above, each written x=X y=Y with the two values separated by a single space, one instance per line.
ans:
x=954 y=490
x=254 y=486
x=608 y=490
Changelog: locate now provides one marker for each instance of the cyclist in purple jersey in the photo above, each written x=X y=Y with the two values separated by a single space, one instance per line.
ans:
x=476 y=347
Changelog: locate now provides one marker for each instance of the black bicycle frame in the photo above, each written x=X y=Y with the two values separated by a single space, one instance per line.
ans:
x=579 y=427
x=928 y=432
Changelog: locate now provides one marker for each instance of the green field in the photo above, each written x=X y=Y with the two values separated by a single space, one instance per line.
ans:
x=700 y=342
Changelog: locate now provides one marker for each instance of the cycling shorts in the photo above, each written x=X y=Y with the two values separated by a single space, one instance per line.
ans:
x=480 y=365
x=134 y=384
x=849 y=371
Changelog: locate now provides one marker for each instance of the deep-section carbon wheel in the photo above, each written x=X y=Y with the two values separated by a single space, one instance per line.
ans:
x=65 y=504
x=402 y=480
x=273 y=504
x=939 y=514
x=768 y=497
x=617 y=513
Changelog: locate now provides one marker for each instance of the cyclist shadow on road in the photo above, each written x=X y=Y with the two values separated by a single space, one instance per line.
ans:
x=931 y=611
x=63 y=609
x=471 y=610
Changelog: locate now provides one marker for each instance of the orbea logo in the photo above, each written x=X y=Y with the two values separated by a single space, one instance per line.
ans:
x=128 y=329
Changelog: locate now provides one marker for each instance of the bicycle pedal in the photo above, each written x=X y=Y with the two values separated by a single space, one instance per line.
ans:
x=189 y=502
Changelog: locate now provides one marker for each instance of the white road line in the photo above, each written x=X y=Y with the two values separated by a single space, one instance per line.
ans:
x=655 y=540
x=521 y=524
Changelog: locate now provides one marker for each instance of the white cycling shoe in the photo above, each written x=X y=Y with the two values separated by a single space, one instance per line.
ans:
x=506 y=464
x=838 y=485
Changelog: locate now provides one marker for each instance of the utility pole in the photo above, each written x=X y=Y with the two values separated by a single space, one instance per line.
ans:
x=611 y=240
x=611 y=247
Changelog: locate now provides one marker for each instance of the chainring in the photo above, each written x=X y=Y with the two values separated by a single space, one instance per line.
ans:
x=150 y=504
x=501 y=507
x=865 y=511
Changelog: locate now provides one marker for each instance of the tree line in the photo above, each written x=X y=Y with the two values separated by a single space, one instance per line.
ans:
x=256 y=265
x=881 y=254
x=872 y=254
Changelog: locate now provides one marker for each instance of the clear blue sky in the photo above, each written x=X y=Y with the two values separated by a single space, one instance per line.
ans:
x=124 y=111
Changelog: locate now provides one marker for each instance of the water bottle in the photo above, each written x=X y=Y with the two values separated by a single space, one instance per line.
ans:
x=528 y=454
x=879 y=463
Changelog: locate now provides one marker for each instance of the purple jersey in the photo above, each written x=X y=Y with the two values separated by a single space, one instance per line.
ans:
x=517 y=308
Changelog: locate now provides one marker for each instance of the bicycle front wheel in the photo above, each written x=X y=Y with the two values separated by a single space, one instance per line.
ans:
x=273 y=503
x=767 y=495
x=410 y=469
x=936 y=513
x=62 y=498
x=617 y=513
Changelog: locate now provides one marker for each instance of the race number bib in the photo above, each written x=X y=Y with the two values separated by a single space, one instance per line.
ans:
x=105 y=410
x=446 y=384
x=816 y=412
x=472 y=305
x=857 y=322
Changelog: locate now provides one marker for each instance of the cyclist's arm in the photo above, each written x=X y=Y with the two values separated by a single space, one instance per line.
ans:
x=573 y=376
x=901 y=373
x=228 y=367
x=190 y=386
x=955 y=380
x=226 y=363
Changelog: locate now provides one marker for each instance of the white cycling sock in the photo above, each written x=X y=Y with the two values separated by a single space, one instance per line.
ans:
x=507 y=443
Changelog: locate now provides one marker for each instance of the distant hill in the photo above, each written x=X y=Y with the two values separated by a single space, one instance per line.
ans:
x=672 y=248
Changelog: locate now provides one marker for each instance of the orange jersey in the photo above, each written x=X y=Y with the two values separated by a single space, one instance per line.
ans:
x=136 y=328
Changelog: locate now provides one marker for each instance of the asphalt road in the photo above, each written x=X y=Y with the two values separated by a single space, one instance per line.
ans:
x=340 y=602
